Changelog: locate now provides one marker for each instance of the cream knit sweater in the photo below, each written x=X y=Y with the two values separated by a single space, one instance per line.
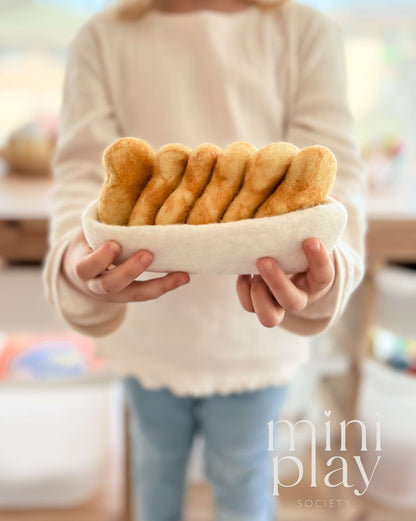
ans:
x=203 y=76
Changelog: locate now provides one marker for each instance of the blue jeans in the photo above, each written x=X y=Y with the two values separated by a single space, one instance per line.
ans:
x=238 y=464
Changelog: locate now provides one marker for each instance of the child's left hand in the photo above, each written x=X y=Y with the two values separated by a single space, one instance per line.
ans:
x=272 y=293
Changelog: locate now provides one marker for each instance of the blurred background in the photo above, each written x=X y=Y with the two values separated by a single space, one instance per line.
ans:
x=63 y=441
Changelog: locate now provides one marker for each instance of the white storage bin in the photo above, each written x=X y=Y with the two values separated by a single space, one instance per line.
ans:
x=396 y=300
x=391 y=393
x=55 y=442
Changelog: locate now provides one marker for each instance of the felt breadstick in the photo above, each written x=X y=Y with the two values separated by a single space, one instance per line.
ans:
x=225 y=182
x=197 y=174
x=264 y=172
x=307 y=183
x=170 y=165
x=128 y=164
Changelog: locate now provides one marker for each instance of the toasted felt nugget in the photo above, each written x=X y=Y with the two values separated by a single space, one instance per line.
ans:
x=170 y=164
x=225 y=182
x=128 y=165
x=264 y=172
x=307 y=183
x=198 y=172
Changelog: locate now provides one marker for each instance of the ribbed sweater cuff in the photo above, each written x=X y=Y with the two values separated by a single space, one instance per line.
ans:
x=80 y=312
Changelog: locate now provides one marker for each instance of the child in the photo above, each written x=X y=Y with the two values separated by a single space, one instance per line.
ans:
x=191 y=72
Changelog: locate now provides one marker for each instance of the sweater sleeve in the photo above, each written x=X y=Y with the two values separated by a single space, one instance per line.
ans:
x=319 y=114
x=87 y=125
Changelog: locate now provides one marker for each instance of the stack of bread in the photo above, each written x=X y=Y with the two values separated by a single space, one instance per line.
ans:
x=178 y=185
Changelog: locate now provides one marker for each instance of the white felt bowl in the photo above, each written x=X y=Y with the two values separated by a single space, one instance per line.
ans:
x=224 y=248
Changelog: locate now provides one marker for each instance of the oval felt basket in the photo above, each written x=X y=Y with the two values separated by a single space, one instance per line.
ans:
x=224 y=248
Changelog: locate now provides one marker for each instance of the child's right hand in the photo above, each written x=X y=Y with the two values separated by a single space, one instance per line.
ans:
x=93 y=273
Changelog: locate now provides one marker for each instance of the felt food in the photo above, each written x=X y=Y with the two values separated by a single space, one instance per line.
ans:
x=266 y=169
x=308 y=180
x=213 y=211
x=198 y=171
x=128 y=165
x=169 y=167
x=227 y=177
x=206 y=185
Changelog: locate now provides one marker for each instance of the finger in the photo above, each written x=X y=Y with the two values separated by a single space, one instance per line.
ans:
x=93 y=264
x=281 y=286
x=154 y=288
x=268 y=311
x=321 y=271
x=243 y=292
x=120 y=277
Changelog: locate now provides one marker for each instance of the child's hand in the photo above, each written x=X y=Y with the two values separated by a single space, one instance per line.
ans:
x=272 y=293
x=93 y=273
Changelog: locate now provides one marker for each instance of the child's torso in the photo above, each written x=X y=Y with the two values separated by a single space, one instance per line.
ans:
x=200 y=77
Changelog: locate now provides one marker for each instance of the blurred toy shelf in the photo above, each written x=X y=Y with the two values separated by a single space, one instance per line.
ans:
x=24 y=212
x=54 y=389
x=391 y=234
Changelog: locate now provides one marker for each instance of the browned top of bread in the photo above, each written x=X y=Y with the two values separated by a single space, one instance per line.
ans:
x=177 y=185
